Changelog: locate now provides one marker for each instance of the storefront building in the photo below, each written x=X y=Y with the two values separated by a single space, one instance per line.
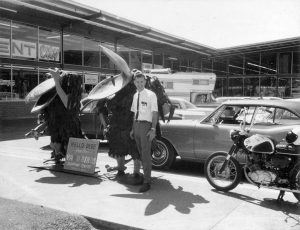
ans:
x=37 y=35
x=265 y=69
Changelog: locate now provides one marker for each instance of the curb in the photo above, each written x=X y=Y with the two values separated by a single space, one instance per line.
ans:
x=102 y=224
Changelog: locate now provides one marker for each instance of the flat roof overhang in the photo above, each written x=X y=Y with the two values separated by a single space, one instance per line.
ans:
x=99 y=25
x=281 y=45
x=86 y=21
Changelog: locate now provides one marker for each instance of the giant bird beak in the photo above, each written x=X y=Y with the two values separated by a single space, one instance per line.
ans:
x=117 y=60
x=115 y=83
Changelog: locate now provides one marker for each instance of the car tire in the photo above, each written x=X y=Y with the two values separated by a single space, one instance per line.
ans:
x=163 y=157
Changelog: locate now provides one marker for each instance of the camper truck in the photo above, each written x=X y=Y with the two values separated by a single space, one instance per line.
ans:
x=196 y=87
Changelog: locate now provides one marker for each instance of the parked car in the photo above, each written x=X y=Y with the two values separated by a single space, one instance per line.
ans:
x=196 y=140
x=222 y=99
x=90 y=121
x=185 y=110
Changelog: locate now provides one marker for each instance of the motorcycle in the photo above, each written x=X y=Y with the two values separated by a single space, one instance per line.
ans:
x=266 y=163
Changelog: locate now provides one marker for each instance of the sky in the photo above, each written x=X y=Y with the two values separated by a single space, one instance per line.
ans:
x=213 y=23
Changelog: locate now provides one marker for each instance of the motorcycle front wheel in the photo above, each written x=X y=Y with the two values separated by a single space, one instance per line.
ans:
x=226 y=180
x=296 y=180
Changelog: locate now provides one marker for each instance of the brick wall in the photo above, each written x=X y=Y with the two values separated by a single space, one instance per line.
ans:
x=16 y=109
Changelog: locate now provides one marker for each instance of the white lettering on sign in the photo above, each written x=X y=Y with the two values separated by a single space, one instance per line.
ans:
x=48 y=52
x=23 y=49
x=4 y=47
x=81 y=155
x=28 y=50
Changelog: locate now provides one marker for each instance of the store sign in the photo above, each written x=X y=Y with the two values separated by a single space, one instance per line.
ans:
x=90 y=79
x=7 y=82
x=23 y=49
x=26 y=49
x=81 y=155
x=47 y=52
x=4 y=47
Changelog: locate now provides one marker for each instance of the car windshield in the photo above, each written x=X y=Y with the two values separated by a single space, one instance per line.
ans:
x=262 y=115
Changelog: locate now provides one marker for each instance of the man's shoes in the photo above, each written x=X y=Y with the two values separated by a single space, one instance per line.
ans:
x=145 y=187
x=120 y=173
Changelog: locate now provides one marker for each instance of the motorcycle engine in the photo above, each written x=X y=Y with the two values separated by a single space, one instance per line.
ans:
x=262 y=176
x=280 y=161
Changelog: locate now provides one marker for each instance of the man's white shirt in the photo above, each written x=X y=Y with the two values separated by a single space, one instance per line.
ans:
x=147 y=105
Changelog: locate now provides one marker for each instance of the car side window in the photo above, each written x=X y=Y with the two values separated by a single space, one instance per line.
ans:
x=264 y=115
x=285 y=117
x=227 y=114
x=231 y=115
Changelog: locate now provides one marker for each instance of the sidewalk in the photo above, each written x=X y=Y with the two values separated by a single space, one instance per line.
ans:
x=174 y=201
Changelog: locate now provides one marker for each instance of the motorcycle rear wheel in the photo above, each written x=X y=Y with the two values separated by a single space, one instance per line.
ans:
x=229 y=178
x=296 y=180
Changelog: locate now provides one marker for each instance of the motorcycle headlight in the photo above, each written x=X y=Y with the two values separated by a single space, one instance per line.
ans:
x=292 y=136
x=234 y=134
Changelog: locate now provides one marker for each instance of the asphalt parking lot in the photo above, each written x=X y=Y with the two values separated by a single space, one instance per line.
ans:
x=179 y=199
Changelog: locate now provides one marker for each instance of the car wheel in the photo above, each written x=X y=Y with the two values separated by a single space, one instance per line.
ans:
x=163 y=156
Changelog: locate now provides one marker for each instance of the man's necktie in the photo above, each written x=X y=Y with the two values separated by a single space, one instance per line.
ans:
x=137 y=109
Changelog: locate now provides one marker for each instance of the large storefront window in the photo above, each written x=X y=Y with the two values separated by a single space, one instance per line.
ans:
x=25 y=79
x=268 y=63
x=268 y=86
x=24 y=41
x=252 y=63
x=124 y=52
x=296 y=87
x=90 y=80
x=49 y=45
x=195 y=65
x=236 y=65
x=146 y=60
x=5 y=83
x=284 y=87
x=184 y=64
x=72 y=49
x=296 y=62
x=43 y=76
x=220 y=87
x=135 y=59
x=91 y=53
x=285 y=63
x=171 y=62
x=158 y=61
x=251 y=86
x=207 y=65
x=235 y=86
x=5 y=38
x=220 y=66
x=105 y=62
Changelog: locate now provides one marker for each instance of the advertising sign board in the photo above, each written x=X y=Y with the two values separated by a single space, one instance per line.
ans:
x=82 y=155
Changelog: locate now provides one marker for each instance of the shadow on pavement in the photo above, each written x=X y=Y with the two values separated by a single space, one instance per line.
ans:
x=285 y=207
x=16 y=129
x=162 y=195
x=65 y=178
